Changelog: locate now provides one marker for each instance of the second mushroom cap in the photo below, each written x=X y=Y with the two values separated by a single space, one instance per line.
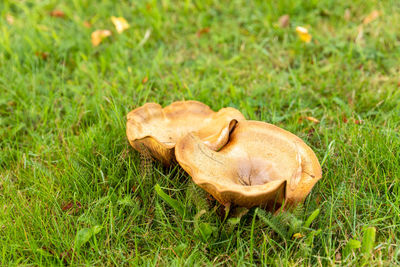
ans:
x=260 y=165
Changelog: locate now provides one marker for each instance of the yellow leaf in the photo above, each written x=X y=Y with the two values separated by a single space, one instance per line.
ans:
x=312 y=119
x=99 y=35
x=10 y=19
x=297 y=236
x=303 y=34
x=371 y=17
x=120 y=24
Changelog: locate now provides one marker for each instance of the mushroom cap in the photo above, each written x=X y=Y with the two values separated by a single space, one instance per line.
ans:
x=154 y=130
x=260 y=165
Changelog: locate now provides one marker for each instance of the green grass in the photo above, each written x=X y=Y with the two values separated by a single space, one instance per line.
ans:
x=62 y=130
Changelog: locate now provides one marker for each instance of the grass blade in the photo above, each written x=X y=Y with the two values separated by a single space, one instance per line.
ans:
x=176 y=205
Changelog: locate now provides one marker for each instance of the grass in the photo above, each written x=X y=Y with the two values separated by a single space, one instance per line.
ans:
x=73 y=192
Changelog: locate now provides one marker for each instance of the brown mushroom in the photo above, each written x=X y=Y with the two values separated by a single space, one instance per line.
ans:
x=154 y=130
x=260 y=165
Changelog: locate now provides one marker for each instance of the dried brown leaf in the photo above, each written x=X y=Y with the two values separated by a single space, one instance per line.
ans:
x=57 y=13
x=310 y=132
x=371 y=17
x=203 y=31
x=11 y=103
x=70 y=205
x=338 y=256
x=67 y=206
x=87 y=24
x=42 y=55
x=66 y=255
x=347 y=14
x=284 y=21
x=318 y=199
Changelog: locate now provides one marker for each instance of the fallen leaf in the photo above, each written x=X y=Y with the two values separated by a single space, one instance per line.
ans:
x=318 y=199
x=297 y=236
x=371 y=17
x=145 y=79
x=347 y=14
x=99 y=35
x=87 y=24
x=303 y=34
x=284 y=21
x=203 y=31
x=66 y=255
x=350 y=101
x=11 y=103
x=338 y=256
x=312 y=119
x=10 y=19
x=57 y=13
x=120 y=23
x=310 y=132
x=70 y=205
x=67 y=206
x=42 y=55
x=360 y=34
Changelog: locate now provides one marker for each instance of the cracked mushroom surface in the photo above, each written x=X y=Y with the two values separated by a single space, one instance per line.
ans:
x=260 y=165
x=154 y=131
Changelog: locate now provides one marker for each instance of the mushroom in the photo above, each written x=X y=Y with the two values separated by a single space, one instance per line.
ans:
x=154 y=130
x=260 y=165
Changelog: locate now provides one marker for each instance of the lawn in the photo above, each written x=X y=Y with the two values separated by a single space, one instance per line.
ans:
x=73 y=192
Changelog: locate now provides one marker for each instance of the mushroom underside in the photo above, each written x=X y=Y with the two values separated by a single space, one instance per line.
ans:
x=166 y=126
